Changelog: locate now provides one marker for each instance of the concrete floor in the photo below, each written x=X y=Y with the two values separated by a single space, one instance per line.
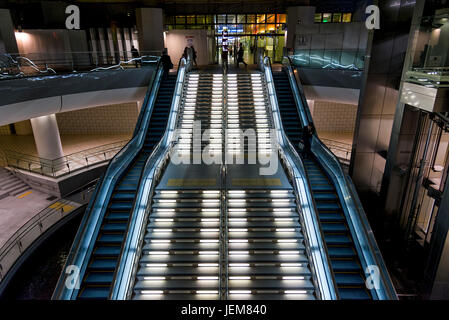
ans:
x=16 y=211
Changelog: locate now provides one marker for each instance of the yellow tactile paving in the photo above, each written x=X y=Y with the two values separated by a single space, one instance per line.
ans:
x=58 y=205
x=256 y=182
x=24 y=194
x=191 y=182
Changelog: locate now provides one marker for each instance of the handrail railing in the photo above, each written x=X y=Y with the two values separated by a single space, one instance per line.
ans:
x=85 y=238
x=37 y=225
x=340 y=149
x=66 y=164
x=339 y=59
x=128 y=264
x=320 y=260
x=43 y=63
x=362 y=234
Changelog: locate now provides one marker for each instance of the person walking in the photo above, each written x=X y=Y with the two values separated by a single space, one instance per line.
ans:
x=135 y=55
x=240 y=56
x=194 y=56
x=166 y=63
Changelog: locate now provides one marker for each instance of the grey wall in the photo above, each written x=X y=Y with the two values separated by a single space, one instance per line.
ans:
x=7 y=38
x=27 y=98
x=150 y=26
x=379 y=95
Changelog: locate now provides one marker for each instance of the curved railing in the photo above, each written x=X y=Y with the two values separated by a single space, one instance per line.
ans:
x=85 y=238
x=66 y=164
x=361 y=232
x=319 y=259
x=130 y=254
x=340 y=149
x=16 y=65
x=26 y=235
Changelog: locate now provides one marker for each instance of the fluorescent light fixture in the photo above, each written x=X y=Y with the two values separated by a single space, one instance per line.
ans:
x=149 y=292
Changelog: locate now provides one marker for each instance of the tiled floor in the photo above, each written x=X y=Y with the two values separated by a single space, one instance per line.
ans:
x=70 y=143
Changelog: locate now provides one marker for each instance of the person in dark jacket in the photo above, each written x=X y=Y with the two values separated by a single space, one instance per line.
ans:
x=135 y=54
x=240 y=56
x=166 y=63
x=307 y=133
x=194 y=56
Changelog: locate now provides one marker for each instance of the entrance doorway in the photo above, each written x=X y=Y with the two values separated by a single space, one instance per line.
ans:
x=273 y=46
x=256 y=30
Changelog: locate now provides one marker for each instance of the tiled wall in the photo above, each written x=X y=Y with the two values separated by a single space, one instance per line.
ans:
x=23 y=128
x=114 y=119
x=4 y=130
x=334 y=117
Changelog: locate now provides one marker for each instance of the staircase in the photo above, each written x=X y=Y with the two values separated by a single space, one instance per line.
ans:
x=10 y=185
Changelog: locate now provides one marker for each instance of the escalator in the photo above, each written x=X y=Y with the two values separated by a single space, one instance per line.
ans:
x=99 y=274
x=221 y=230
x=224 y=232
x=348 y=273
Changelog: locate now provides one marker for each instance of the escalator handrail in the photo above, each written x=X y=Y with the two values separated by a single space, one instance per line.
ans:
x=361 y=231
x=130 y=254
x=304 y=113
x=87 y=233
x=321 y=262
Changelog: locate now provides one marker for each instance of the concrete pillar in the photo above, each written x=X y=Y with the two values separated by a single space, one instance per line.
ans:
x=384 y=64
x=297 y=16
x=8 y=42
x=46 y=137
x=151 y=31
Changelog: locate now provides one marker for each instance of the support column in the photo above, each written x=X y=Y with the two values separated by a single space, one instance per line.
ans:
x=151 y=31
x=297 y=16
x=46 y=137
x=8 y=42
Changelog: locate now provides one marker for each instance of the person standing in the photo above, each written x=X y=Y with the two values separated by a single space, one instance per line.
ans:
x=166 y=63
x=194 y=56
x=240 y=56
x=135 y=55
x=307 y=133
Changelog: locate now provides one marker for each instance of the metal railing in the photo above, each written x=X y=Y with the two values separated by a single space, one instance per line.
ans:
x=340 y=149
x=329 y=59
x=64 y=165
x=16 y=65
x=24 y=237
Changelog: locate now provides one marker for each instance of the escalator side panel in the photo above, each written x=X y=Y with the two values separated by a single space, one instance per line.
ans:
x=99 y=274
x=348 y=273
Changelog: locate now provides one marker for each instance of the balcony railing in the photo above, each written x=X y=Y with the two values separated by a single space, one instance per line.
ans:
x=26 y=235
x=64 y=165
x=39 y=63
x=329 y=59
x=437 y=77
x=340 y=149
